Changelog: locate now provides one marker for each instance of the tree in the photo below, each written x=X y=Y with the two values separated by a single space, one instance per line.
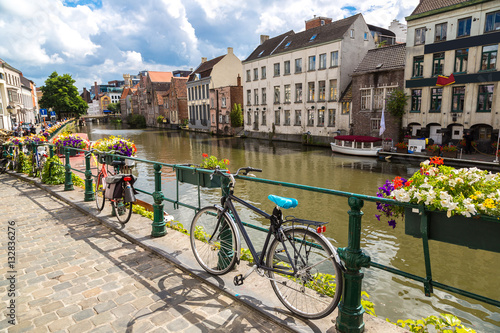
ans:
x=236 y=116
x=396 y=104
x=60 y=94
x=115 y=107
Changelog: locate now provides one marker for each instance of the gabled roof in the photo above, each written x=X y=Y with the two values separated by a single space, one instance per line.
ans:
x=292 y=41
x=125 y=93
x=429 y=7
x=205 y=68
x=347 y=94
x=382 y=59
x=160 y=76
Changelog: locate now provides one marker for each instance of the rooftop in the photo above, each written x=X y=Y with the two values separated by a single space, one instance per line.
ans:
x=382 y=59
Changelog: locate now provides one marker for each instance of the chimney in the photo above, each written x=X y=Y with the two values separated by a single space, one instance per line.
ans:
x=317 y=22
x=229 y=50
x=263 y=38
x=238 y=81
x=203 y=60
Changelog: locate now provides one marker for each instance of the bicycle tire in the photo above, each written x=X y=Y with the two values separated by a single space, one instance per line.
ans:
x=315 y=292
x=99 y=192
x=41 y=164
x=213 y=249
x=33 y=166
x=122 y=209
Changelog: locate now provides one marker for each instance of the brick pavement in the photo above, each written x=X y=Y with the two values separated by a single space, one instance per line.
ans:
x=75 y=275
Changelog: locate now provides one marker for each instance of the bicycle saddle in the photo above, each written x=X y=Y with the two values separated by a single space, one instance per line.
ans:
x=283 y=202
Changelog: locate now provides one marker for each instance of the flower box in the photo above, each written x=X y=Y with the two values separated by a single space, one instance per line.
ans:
x=191 y=177
x=475 y=233
x=402 y=150
x=105 y=159
x=451 y=154
x=433 y=152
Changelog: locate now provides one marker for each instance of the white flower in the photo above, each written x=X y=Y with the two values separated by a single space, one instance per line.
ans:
x=401 y=195
x=470 y=209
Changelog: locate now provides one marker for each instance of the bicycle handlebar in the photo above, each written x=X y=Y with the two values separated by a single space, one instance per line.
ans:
x=231 y=175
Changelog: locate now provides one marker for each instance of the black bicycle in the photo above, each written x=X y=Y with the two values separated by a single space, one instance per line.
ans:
x=303 y=267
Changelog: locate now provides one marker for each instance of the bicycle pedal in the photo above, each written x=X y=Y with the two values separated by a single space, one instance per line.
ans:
x=238 y=280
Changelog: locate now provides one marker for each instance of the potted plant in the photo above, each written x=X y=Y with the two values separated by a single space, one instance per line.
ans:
x=460 y=206
x=449 y=151
x=402 y=147
x=71 y=141
x=432 y=150
x=114 y=145
x=193 y=175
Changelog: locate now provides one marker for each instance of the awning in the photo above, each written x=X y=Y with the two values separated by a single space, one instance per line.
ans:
x=107 y=111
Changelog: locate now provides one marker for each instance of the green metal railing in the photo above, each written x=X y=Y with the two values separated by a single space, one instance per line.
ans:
x=350 y=317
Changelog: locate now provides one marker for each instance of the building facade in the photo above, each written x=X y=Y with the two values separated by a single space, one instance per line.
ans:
x=222 y=101
x=10 y=96
x=459 y=38
x=175 y=103
x=292 y=82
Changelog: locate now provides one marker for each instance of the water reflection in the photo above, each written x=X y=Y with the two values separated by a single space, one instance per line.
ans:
x=394 y=297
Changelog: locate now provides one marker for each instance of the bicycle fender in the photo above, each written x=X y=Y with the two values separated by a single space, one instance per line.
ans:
x=327 y=242
x=236 y=231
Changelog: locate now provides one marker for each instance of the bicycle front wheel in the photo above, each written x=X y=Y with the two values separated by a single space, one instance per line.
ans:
x=99 y=192
x=314 y=290
x=122 y=209
x=214 y=241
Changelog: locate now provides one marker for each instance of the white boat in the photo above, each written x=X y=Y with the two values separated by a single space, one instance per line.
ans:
x=357 y=145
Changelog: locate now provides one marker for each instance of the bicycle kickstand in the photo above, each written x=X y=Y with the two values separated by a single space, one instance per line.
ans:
x=238 y=279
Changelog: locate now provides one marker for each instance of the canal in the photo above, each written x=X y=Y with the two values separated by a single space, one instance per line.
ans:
x=394 y=297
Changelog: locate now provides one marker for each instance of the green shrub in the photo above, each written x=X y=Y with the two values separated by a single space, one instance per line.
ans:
x=53 y=171
x=448 y=323
x=24 y=165
x=136 y=120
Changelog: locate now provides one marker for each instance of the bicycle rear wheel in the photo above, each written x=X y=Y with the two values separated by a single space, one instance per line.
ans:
x=122 y=209
x=99 y=192
x=41 y=164
x=214 y=241
x=314 y=291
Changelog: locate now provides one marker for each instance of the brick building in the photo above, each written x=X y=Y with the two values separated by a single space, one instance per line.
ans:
x=222 y=101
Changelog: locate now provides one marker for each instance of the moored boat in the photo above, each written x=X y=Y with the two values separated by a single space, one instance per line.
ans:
x=358 y=145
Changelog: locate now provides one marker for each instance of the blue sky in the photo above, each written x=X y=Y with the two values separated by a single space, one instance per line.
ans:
x=100 y=40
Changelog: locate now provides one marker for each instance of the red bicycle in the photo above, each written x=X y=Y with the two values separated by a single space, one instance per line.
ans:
x=116 y=187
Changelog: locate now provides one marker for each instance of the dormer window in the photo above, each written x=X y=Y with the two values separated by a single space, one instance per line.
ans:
x=322 y=22
x=287 y=45
x=313 y=37
x=260 y=53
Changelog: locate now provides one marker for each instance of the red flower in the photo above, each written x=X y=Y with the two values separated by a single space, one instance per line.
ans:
x=204 y=155
x=436 y=160
x=397 y=182
x=226 y=162
x=408 y=183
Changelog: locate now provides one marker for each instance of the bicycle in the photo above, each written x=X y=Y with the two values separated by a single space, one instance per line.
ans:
x=38 y=161
x=6 y=160
x=303 y=267
x=115 y=187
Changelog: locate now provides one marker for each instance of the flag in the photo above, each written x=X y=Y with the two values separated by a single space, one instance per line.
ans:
x=382 y=122
x=445 y=80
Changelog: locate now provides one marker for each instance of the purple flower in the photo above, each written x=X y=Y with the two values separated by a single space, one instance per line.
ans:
x=392 y=223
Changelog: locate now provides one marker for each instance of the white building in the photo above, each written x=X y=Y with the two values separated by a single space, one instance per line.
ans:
x=10 y=96
x=460 y=39
x=292 y=82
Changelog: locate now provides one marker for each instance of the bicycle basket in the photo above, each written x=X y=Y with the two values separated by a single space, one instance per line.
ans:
x=114 y=188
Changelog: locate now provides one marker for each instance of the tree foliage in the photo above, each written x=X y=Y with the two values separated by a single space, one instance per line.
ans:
x=396 y=103
x=236 y=116
x=114 y=107
x=60 y=94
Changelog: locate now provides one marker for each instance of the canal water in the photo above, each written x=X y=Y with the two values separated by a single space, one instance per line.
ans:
x=394 y=297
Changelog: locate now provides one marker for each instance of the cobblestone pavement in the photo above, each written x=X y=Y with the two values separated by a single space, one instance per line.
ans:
x=73 y=274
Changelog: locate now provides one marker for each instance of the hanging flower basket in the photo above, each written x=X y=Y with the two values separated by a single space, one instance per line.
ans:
x=475 y=233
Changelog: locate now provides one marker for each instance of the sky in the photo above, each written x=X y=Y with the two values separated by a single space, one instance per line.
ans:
x=100 y=40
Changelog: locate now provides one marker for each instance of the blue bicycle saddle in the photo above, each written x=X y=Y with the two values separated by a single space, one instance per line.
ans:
x=283 y=202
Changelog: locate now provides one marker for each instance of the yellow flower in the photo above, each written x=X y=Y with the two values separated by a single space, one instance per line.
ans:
x=489 y=203
x=473 y=197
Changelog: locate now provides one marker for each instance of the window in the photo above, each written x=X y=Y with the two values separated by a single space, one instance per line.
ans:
x=277 y=69
x=255 y=74
x=489 y=57
x=276 y=94
x=312 y=63
x=418 y=66
x=485 y=98
x=264 y=96
x=492 y=21
x=331 y=117
x=223 y=102
x=287 y=118
x=458 y=98
x=334 y=59
x=249 y=118
x=287 y=67
x=310 y=92
x=298 y=92
x=310 y=118
x=298 y=114
x=248 y=75
x=352 y=33
x=287 y=93
x=287 y=45
x=419 y=36
x=436 y=97
x=416 y=100
x=321 y=117
x=298 y=65
x=322 y=61
x=277 y=117
x=440 y=35
x=378 y=98
x=438 y=63
x=375 y=124
x=321 y=90
x=263 y=117
x=249 y=97
x=208 y=90
x=263 y=72
x=366 y=95
x=366 y=36
x=461 y=57
x=464 y=27
x=256 y=96
x=346 y=107
x=332 y=96
x=313 y=37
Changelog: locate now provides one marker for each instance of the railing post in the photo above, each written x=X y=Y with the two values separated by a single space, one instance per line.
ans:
x=68 y=182
x=350 y=316
x=89 y=189
x=159 y=221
